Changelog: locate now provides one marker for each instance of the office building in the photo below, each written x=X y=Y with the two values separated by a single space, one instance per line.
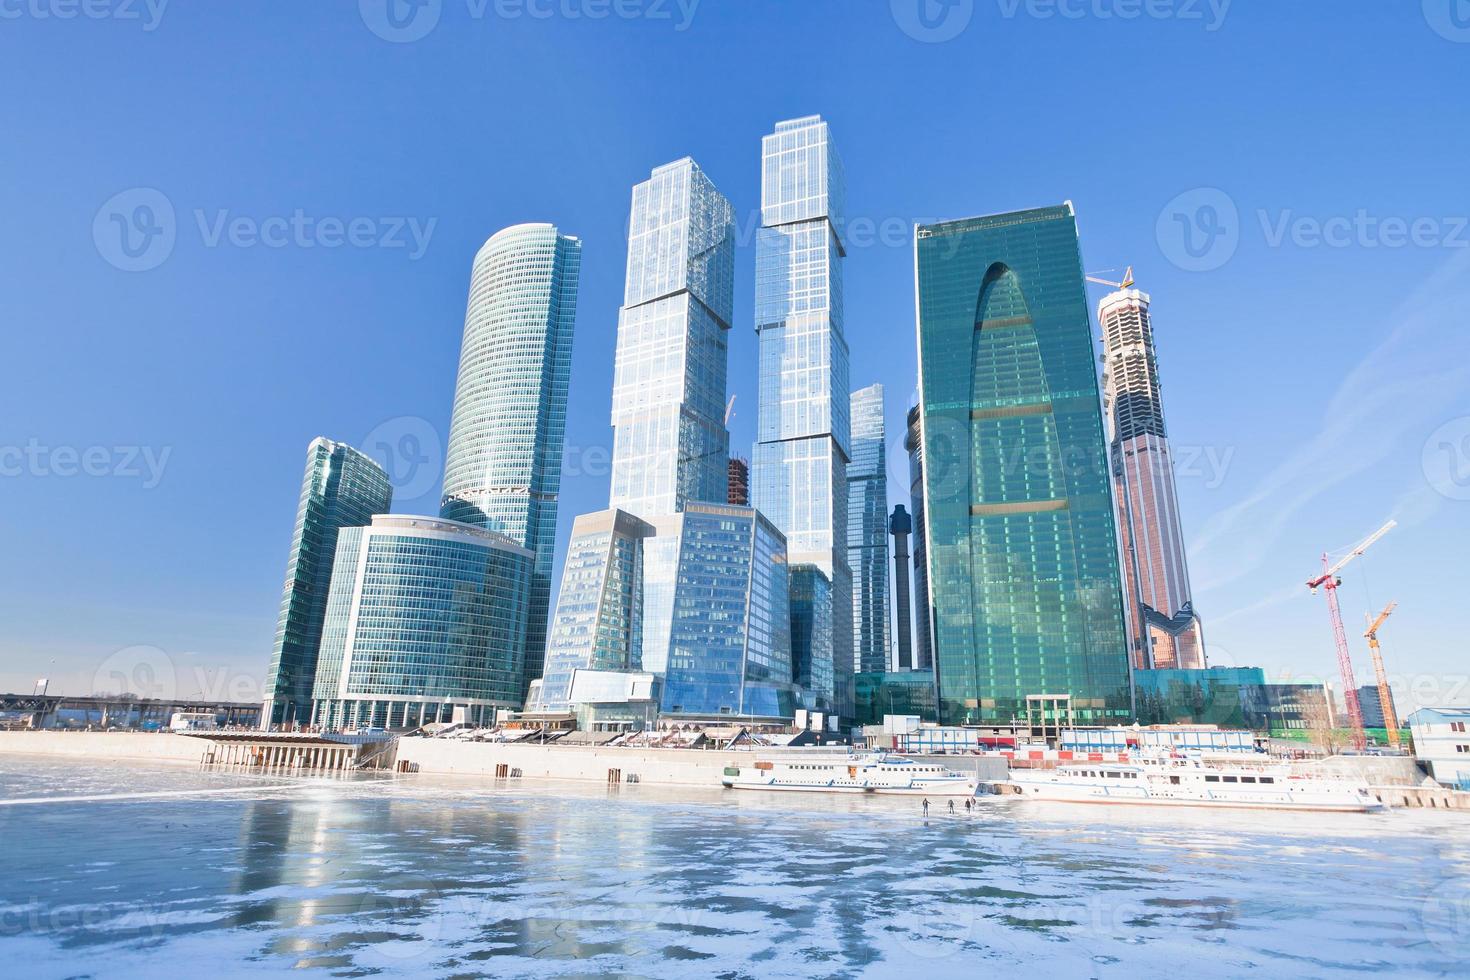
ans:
x=867 y=530
x=1163 y=629
x=811 y=637
x=923 y=634
x=802 y=449
x=900 y=525
x=426 y=622
x=508 y=429
x=599 y=613
x=1022 y=546
x=901 y=692
x=1371 y=705
x=342 y=488
x=1442 y=744
x=670 y=445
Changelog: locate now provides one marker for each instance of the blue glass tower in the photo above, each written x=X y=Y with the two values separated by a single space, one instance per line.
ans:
x=867 y=531
x=800 y=465
x=508 y=430
x=342 y=488
x=1022 y=548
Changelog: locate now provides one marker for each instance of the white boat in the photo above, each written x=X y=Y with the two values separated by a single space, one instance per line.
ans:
x=853 y=774
x=1191 y=782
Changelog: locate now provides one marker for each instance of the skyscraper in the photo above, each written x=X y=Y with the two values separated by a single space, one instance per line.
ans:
x=802 y=451
x=426 y=617
x=867 y=530
x=507 y=432
x=1022 y=548
x=1163 y=629
x=923 y=641
x=670 y=445
x=739 y=492
x=900 y=525
x=342 y=488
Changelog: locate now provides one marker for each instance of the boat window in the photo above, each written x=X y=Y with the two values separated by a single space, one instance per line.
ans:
x=1247 y=779
x=1174 y=780
x=1212 y=779
x=1268 y=779
x=1230 y=779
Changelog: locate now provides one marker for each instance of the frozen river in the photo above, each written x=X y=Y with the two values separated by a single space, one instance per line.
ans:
x=139 y=871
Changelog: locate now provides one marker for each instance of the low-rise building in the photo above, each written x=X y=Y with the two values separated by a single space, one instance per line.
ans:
x=1442 y=743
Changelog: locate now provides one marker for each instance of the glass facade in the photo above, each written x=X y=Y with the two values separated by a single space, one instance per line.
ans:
x=342 y=488
x=599 y=614
x=717 y=615
x=811 y=636
x=867 y=530
x=424 y=614
x=923 y=611
x=801 y=456
x=1230 y=697
x=508 y=430
x=1018 y=517
x=904 y=692
x=670 y=444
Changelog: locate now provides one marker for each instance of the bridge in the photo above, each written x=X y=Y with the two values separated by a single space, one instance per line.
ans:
x=120 y=711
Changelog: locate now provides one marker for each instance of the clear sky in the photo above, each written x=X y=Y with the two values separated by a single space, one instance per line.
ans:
x=160 y=390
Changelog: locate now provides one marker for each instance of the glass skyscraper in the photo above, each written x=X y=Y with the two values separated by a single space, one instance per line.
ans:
x=867 y=530
x=1163 y=628
x=1022 y=546
x=670 y=444
x=801 y=456
x=923 y=612
x=342 y=488
x=811 y=636
x=427 y=617
x=599 y=614
x=507 y=433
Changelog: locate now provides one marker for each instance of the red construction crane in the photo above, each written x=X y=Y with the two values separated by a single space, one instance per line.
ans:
x=1329 y=581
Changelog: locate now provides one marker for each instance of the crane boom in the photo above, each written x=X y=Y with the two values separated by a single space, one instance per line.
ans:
x=1328 y=580
x=1385 y=696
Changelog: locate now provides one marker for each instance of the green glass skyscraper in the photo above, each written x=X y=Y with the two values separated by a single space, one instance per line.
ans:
x=1022 y=550
x=342 y=488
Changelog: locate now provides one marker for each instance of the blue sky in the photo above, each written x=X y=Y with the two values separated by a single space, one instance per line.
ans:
x=155 y=422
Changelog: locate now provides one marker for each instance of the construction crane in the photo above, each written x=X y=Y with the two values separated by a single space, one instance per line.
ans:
x=730 y=410
x=1385 y=696
x=1329 y=580
x=1127 y=282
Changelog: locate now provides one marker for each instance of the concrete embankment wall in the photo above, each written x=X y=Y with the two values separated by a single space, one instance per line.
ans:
x=102 y=746
x=687 y=767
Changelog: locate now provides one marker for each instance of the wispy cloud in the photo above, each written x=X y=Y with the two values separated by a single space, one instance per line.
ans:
x=1397 y=390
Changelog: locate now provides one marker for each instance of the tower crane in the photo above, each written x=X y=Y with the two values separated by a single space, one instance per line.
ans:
x=1385 y=697
x=1127 y=282
x=1329 y=580
x=730 y=409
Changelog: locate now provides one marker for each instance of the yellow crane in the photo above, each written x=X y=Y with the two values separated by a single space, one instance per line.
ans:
x=1385 y=697
x=1127 y=282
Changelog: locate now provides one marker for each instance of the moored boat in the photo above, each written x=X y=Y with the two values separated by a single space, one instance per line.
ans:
x=1190 y=782
x=880 y=774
